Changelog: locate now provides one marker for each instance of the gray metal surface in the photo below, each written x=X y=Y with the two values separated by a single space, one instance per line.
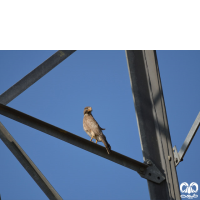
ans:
x=189 y=137
x=176 y=156
x=142 y=168
x=152 y=121
x=71 y=138
x=152 y=173
x=13 y=92
x=34 y=75
x=28 y=164
x=187 y=142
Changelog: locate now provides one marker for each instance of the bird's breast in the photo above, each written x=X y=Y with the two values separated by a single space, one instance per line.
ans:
x=88 y=132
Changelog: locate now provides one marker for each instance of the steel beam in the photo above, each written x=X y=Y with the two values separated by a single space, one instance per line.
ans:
x=34 y=76
x=142 y=168
x=179 y=155
x=28 y=164
x=189 y=137
x=152 y=121
x=13 y=92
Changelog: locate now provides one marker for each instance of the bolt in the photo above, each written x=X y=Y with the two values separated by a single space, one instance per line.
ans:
x=169 y=158
x=148 y=162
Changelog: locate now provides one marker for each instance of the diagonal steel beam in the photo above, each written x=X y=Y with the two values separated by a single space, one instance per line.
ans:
x=13 y=92
x=179 y=155
x=70 y=138
x=189 y=137
x=34 y=76
x=28 y=164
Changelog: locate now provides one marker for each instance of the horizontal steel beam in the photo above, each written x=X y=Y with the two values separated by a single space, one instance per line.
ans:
x=28 y=164
x=71 y=138
x=34 y=76
x=146 y=171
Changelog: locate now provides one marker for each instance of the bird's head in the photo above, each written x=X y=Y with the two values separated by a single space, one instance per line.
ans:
x=87 y=110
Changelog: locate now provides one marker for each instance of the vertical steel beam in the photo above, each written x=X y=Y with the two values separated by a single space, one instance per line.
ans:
x=152 y=121
x=28 y=164
x=34 y=76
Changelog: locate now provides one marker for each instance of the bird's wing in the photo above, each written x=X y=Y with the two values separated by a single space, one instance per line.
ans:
x=99 y=127
x=91 y=124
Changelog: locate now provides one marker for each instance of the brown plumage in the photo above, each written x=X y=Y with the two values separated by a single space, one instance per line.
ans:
x=93 y=129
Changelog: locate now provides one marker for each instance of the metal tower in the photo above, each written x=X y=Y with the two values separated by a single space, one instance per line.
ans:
x=160 y=159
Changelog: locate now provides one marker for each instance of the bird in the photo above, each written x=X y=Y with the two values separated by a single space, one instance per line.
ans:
x=92 y=128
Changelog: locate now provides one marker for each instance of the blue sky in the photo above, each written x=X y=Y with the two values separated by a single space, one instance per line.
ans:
x=98 y=79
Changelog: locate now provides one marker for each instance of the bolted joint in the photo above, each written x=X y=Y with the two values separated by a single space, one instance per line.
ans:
x=148 y=162
x=151 y=173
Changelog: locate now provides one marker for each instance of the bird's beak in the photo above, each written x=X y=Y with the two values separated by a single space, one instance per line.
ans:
x=89 y=109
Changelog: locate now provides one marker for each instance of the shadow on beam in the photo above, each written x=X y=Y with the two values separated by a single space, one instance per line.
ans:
x=71 y=138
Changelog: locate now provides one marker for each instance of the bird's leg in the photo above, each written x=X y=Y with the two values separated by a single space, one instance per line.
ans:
x=96 y=141
x=91 y=138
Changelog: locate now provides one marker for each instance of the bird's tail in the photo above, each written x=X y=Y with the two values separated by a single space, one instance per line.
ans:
x=106 y=144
